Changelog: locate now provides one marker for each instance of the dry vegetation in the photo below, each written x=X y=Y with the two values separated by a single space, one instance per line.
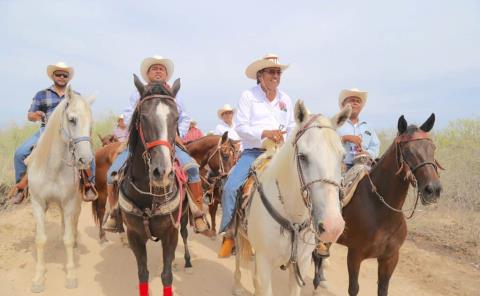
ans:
x=452 y=227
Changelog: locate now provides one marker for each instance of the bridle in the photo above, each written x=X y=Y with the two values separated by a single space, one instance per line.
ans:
x=71 y=141
x=305 y=188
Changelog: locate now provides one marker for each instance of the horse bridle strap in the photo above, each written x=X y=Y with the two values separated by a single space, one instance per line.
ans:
x=416 y=136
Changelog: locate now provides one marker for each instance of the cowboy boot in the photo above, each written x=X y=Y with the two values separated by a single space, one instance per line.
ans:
x=20 y=190
x=200 y=221
x=112 y=222
x=88 y=190
x=227 y=245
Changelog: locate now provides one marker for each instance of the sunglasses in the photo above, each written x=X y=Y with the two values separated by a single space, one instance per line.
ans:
x=61 y=75
x=273 y=71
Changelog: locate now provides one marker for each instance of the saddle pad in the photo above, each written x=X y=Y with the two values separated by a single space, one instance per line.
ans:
x=248 y=187
x=350 y=181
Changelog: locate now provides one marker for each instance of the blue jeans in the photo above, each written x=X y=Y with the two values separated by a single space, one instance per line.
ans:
x=24 y=151
x=186 y=161
x=237 y=176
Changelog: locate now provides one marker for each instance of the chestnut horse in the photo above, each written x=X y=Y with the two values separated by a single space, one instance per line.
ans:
x=216 y=156
x=375 y=222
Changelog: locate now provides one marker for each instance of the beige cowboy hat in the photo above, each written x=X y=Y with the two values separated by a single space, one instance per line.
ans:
x=156 y=60
x=60 y=66
x=353 y=92
x=224 y=108
x=268 y=61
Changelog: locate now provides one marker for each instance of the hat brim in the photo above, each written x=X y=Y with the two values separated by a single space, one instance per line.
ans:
x=222 y=110
x=148 y=62
x=346 y=93
x=253 y=68
x=52 y=68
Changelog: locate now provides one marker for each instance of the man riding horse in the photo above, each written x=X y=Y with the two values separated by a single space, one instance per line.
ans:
x=153 y=70
x=264 y=112
x=44 y=102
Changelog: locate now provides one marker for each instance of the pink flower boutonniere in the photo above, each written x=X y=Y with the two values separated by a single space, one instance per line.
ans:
x=282 y=106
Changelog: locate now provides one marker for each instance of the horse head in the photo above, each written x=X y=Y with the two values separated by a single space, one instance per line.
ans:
x=155 y=122
x=227 y=158
x=416 y=156
x=76 y=127
x=318 y=156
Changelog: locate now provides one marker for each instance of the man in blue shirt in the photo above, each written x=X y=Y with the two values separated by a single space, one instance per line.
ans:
x=43 y=105
x=357 y=136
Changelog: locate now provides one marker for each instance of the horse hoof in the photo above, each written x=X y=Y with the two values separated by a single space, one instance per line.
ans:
x=323 y=284
x=325 y=262
x=237 y=291
x=71 y=283
x=37 y=288
x=189 y=270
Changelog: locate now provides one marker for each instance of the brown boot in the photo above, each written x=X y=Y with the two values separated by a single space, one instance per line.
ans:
x=200 y=222
x=89 y=192
x=113 y=222
x=20 y=191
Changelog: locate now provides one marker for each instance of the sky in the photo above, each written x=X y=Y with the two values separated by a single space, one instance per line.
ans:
x=413 y=57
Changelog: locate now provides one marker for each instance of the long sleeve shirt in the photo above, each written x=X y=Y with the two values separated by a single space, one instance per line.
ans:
x=255 y=113
x=370 y=141
x=222 y=127
x=183 y=118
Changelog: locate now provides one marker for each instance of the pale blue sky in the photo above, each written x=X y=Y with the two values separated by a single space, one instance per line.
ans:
x=414 y=57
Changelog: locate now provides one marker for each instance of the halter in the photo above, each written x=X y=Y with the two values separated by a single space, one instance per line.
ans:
x=305 y=188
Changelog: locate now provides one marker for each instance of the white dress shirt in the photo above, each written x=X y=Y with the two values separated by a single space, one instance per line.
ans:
x=183 y=118
x=255 y=113
x=222 y=127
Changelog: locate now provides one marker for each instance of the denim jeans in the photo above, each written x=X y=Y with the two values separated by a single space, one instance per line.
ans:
x=237 y=176
x=186 y=161
x=24 y=151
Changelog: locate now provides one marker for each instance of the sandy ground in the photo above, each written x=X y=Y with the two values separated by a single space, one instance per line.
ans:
x=110 y=269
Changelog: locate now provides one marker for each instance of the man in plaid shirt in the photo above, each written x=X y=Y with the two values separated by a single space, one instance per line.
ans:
x=43 y=105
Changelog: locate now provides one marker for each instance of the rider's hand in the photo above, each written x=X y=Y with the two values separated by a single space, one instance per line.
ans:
x=37 y=116
x=274 y=135
x=352 y=139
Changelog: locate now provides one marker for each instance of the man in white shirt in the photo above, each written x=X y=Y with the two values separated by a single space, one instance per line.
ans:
x=159 y=69
x=262 y=112
x=225 y=113
x=357 y=136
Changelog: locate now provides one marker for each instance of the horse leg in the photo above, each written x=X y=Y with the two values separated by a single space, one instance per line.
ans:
x=212 y=209
x=386 y=266
x=184 y=233
x=138 y=246
x=354 y=260
x=303 y=264
x=169 y=243
x=70 y=212
x=263 y=276
x=39 y=209
x=237 y=285
x=319 y=279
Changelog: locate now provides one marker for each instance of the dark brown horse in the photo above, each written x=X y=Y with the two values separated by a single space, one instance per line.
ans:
x=216 y=156
x=375 y=224
x=149 y=196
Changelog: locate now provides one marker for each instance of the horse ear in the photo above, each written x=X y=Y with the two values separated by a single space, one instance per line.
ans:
x=175 y=87
x=138 y=84
x=402 y=125
x=301 y=112
x=428 y=125
x=224 y=137
x=341 y=117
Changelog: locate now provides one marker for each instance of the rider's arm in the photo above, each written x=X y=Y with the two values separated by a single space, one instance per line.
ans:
x=132 y=103
x=373 y=145
x=242 y=119
x=183 y=118
x=35 y=113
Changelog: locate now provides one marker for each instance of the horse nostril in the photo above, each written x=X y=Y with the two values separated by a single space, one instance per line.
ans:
x=429 y=189
x=157 y=173
x=321 y=228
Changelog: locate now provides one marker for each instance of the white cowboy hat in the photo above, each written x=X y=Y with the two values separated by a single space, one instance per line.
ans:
x=121 y=116
x=268 y=61
x=156 y=60
x=62 y=67
x=224 y=108
x=353 y=92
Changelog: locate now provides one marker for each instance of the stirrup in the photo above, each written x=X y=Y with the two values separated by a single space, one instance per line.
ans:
x=204 y=219
x=111 y=222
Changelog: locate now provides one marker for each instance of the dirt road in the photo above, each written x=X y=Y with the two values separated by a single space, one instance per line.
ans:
x=110 y=269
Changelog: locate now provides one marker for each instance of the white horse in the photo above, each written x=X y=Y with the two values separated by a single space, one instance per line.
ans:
x=64 y=148
x=301 y=188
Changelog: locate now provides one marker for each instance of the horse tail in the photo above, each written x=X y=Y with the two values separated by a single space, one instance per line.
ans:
x=96 y=212
x=244 y=249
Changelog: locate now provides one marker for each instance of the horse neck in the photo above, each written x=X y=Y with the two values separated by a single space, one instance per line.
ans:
x=392 y=186
x=281 y=170
x=201 y=150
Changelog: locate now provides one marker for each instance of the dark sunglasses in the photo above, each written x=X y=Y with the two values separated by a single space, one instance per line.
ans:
x=273 y=71
x=61 y=75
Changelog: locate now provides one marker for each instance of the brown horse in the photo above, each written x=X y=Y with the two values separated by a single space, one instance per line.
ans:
x=375 y=224
x=104 y=158
x=108 y=139
x=216 y=156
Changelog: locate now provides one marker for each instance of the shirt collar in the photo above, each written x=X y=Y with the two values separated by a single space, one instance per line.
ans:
x=52 y=89
x=264 y=96
x=360 y=122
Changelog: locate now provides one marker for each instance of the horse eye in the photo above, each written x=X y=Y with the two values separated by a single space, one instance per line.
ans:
x=302 y=157
x=73 y=120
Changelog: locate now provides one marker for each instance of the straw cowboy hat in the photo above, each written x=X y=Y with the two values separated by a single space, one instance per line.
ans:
x=224 y=108
x=353 y=92
x=156 y=60
x=268 y=61
x=60 y=66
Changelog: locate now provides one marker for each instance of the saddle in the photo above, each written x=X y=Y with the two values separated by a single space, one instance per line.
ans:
x=362 y=164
